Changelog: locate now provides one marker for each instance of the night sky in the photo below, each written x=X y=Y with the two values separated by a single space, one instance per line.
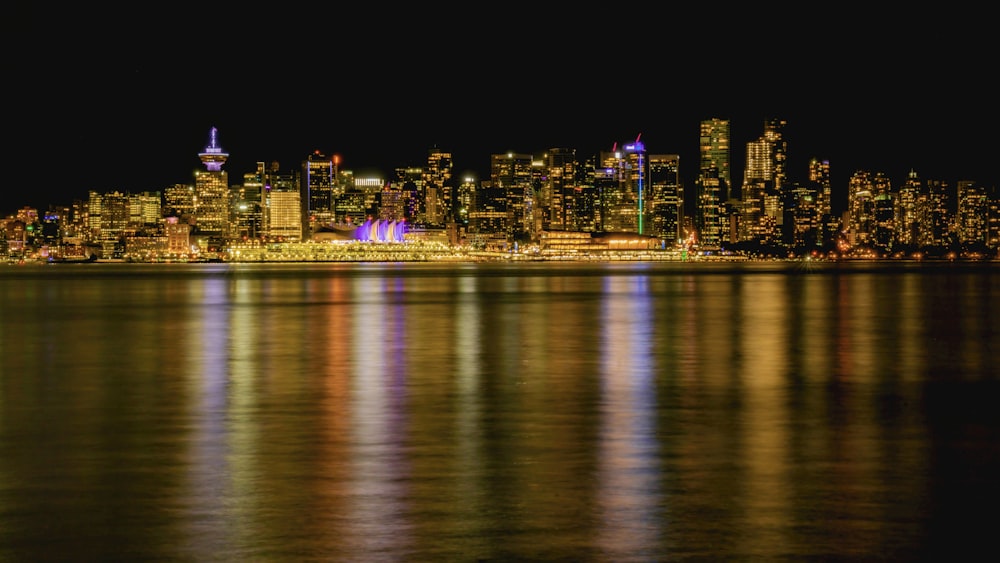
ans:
x=128 y=107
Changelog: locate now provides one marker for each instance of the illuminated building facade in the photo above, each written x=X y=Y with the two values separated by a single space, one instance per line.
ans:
x=439 y=192
x=973 y=210
x=178 y=236
x=883 y=213
x=285 y=214
x=318 y=179
x=211 y=186
x=179 y=201
x=636 y=179
x=861 y=208
x=907 y=211
x=512 y=174
x=934 y=215
x=145 y=210
x=714 y=152
x=665 y=203
x=488 y=217
x=558 y=204
x=623 y=187
x=763 y=190
x=819 y=180
x=416 y=195
x=714 y=181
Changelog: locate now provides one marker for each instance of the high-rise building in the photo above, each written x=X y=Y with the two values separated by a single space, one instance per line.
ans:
x=113 y=221
x=465 y=199
x=819 y=180
x=179 y=201
x=973 y=209
x=283 y=212
x=763 y=191
x=623 y=188
x=557 y=197
x=145 y=210
x=714 y=181
x=439 y=192
x=820 y=183
x=211 y=188
x=512 y=174
x=318 y=180
x=861 y=208
x=907 y=211
x=665 y=203
x=714 y=152
x=636 y=180
x=883 y=213
x=488 y=218
x=285 y=215
x=934 y=215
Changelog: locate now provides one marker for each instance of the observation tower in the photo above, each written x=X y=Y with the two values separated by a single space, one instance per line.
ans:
x=213 y=157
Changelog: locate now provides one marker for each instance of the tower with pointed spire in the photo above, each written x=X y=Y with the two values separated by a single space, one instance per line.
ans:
x=212 y=191
x=213 y=157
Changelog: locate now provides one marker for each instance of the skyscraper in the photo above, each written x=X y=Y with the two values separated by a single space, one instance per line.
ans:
x=861 y=208
x=623 y=188
x=715 y=153
x=512 y=174
x=763 y=191
x=972 y=214
x=636 y=179
x=318 y=182
x=665 y=203
x=714 y=182
x=211 y=212
x=558 y=194
x=439 y=196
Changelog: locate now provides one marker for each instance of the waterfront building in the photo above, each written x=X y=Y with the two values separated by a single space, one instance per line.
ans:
x=907 y=203
x=764 y=188
x=439 y=192
x=804 y=216
x=714 y=181
x=282 y=188
x=411 y=181
x=179 y=201
x=557 y=201
x=636 y=178
x=972 y=214
x=318 y=182
x=511 y=173
x=934 y=216
x=883 y=213
x=178 y=236
x=145 y=210
x=860 y=209
x=819 y=181
x=665 y=203
x=465 y=200
x=211 y=186
x=285 y=214
x=488 y=217
x=820 y=184
x=623 y=187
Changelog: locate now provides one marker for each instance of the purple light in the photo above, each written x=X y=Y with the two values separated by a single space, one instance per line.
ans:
x=381 y=231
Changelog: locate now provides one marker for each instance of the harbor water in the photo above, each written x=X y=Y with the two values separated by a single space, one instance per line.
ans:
x=499 y=411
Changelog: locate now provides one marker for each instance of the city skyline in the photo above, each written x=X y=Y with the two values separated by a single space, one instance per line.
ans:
x=127 y=108
x=236 y=166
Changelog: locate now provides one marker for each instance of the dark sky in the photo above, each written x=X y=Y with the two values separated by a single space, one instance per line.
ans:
x=128 y=107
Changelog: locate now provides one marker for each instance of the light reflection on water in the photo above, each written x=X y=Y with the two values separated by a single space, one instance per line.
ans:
x=495 y=412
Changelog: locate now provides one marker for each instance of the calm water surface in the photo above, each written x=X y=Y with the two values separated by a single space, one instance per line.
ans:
x=499 y=412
